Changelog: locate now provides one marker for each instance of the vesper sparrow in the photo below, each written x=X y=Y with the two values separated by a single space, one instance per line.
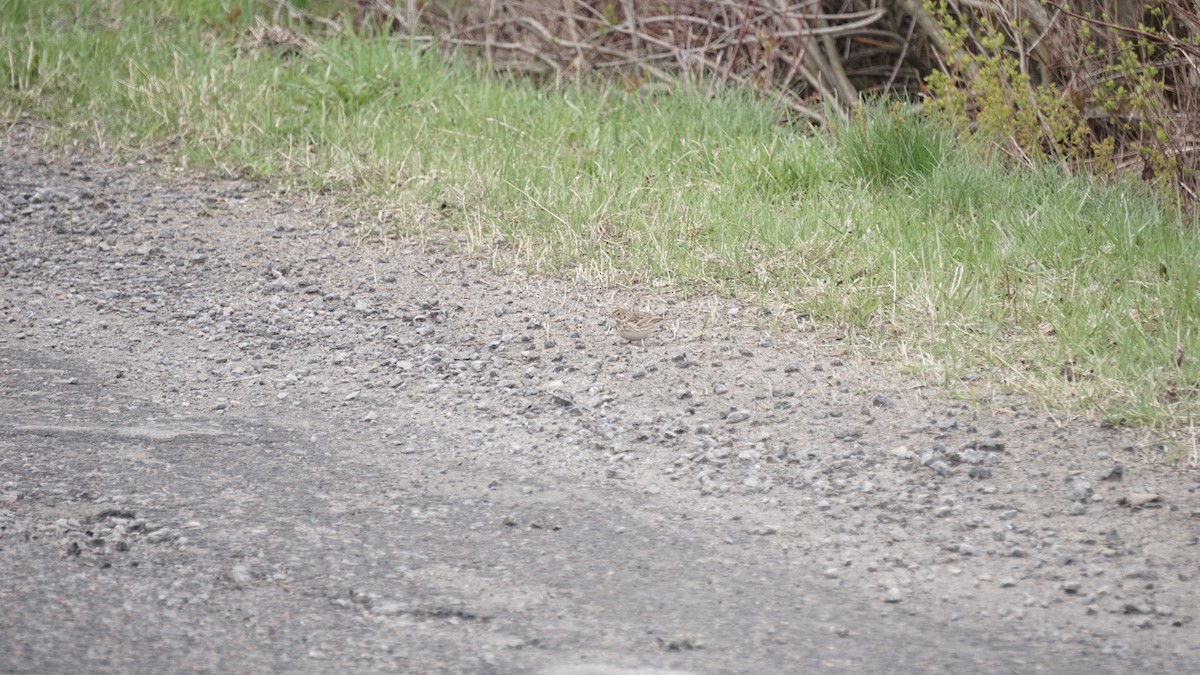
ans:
x=635 y=325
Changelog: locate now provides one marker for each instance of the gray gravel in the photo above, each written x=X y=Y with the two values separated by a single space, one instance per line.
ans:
x=236 y=436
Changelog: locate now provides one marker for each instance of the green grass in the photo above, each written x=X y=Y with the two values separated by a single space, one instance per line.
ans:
x=888 y=227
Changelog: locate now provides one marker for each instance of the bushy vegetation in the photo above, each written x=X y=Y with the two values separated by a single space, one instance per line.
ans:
x=1104 y=87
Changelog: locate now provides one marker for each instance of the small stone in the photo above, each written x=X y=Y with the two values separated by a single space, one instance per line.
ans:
x=737 y=416
x=941 y=467
x=1138 y=499
x=159 y=536
x=979 y=472
x=1081 y=491
x=963 y=548
x=389 y=608
x=1143 y=573
x=240 y=575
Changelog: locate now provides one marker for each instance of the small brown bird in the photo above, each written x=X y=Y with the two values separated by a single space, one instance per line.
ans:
x=635 y=325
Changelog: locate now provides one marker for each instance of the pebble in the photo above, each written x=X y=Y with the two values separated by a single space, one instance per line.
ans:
x=240 y=575
x=1081 y=491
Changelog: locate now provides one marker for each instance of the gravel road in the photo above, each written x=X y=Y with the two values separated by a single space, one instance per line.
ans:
x=235 y=437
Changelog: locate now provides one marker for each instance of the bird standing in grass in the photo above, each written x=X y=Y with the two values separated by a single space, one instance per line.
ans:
x=635 y=325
